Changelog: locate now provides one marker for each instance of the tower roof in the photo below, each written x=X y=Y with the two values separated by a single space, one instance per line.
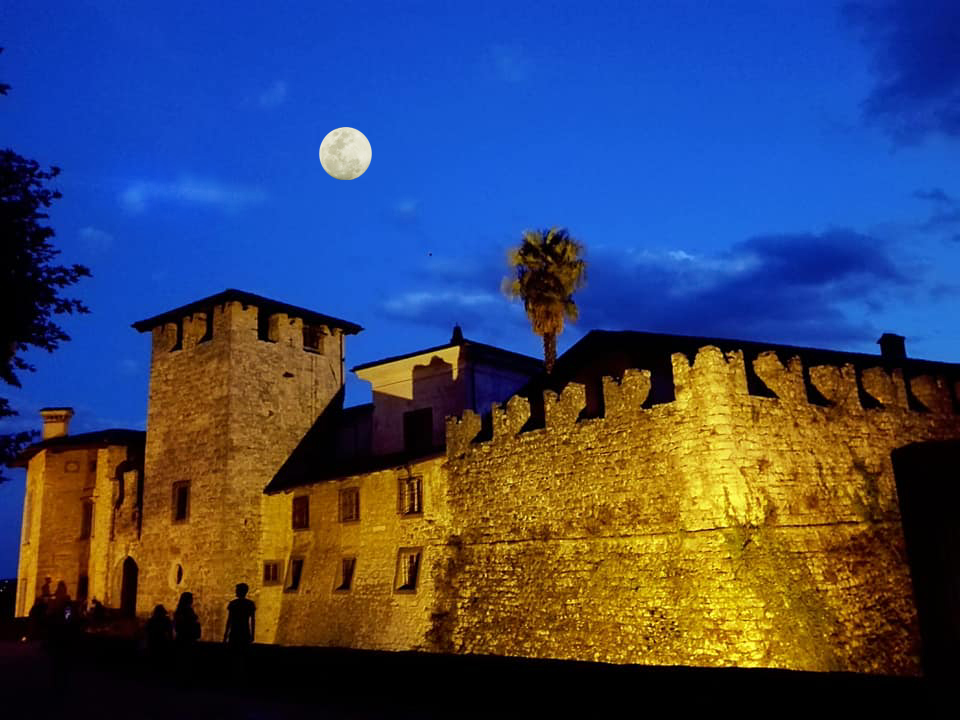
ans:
x=246 y=298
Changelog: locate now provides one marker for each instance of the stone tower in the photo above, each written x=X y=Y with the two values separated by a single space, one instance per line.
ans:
x=235 y=382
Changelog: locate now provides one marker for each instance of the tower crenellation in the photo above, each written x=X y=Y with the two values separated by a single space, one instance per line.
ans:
x=236 y=380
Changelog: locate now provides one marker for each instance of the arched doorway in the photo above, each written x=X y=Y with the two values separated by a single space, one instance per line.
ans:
x=128 y=588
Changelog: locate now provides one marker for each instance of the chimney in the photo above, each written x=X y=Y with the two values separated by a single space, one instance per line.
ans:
x=892 y=347
x=56 y=421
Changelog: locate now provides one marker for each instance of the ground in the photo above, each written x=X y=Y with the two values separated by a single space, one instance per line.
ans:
x=103 y=678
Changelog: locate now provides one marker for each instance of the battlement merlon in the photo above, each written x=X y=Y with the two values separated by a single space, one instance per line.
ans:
x=190 y=324
x=708 y=378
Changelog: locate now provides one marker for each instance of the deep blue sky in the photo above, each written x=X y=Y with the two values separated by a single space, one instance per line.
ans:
x=778 y=171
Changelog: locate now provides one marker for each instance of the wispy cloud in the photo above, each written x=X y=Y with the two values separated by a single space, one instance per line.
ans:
x=96 y=240
x=787 y=287
x=936 y=195
x=945 y=216
x=139 y=196
x=405 y=212
x=510 y=62
x=806 y=288
x=275 y=95
x=916 y=64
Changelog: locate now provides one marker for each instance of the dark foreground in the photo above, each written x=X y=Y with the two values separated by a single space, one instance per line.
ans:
x=106 y=677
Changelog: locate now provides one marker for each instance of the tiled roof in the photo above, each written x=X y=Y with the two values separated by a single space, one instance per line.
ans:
x=99 y=438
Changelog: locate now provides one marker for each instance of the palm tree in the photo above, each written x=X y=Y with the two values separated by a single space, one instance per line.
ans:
x=548 y=266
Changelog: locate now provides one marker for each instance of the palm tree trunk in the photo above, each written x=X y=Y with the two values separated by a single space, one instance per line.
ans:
x=549 y=350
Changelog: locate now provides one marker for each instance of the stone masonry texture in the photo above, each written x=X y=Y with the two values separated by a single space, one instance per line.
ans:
x=719 y=529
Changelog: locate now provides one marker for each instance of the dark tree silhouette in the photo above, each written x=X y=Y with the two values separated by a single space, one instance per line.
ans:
x=30 y=284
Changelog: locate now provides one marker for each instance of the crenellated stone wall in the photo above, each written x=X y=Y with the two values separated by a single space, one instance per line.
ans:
x=722 y=529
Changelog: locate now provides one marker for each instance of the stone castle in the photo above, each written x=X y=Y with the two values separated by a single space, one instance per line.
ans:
x=657 y=499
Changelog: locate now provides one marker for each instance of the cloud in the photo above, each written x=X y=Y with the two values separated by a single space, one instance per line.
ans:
x=405 y=213
x=510 y=62
x=452 y=289
x=789 y=288
x=275 y=95
x=96 y=240
x=935 y=195
x=137 y=197
x=802 y=288
x=946 y=214
x=916 y=66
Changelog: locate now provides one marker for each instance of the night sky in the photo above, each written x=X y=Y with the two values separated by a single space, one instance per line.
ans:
x=778 y=171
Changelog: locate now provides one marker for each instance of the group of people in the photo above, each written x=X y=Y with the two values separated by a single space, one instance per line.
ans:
x=184 y=628
x=56 y=618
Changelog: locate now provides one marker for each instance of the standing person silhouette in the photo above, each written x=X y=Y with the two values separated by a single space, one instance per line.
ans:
x=186 y=625
x=241 y=619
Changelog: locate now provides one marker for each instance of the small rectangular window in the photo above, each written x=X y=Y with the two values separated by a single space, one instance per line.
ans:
x=347 y=566
x=418 y=430
x=349 y=504
x=86 y=519
x=293 y=577
x=408 y=569
x=301 y=512
x=181 y=501
x=272 y=573
x=410 y=496
x=83 y=587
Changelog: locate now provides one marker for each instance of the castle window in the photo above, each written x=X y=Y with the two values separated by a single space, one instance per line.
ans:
x=301 y=512
x=293 y=578
x=181 y=501
x=313 y=338
x=272 y=573
x=418 y=430
x=349 y=504
x=408 y=569
x=86 y=519
x=345 y=580
x=410 y=496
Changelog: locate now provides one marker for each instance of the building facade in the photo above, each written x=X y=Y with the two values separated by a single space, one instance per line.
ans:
x=657 y=499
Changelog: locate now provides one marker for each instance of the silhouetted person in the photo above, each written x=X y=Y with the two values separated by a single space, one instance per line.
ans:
x=59 y=600
x=38 y=619
x=98 y=615
x=63 y=628
x=241 y=619
x=159 y=632
x=45 y=589
x=186 y=624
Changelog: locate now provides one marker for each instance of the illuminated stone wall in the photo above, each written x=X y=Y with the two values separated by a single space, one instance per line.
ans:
x=372 y=614
x=224 y=414
x=721 y=529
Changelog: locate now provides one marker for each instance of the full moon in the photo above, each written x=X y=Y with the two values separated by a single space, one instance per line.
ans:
x=345 y=153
